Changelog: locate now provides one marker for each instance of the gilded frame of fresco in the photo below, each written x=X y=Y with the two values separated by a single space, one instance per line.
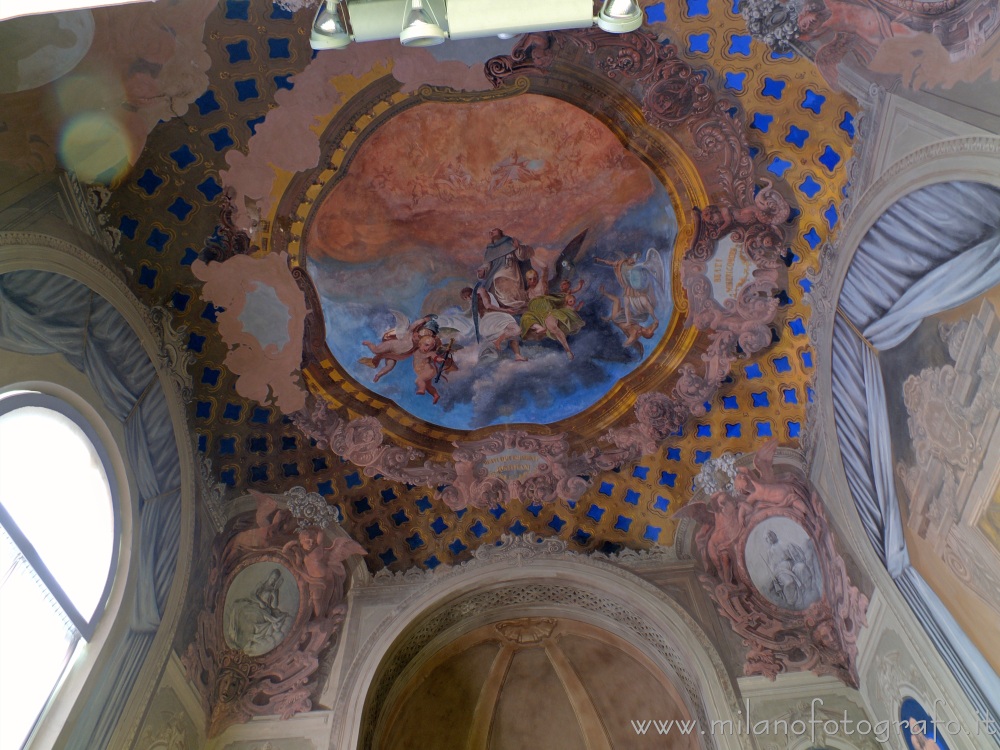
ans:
x=661 y=110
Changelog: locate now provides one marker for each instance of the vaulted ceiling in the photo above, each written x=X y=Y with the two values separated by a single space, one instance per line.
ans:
x=264 y=195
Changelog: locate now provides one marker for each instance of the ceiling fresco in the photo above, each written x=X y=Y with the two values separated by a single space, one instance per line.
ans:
x=669 y=190
x=406 y=235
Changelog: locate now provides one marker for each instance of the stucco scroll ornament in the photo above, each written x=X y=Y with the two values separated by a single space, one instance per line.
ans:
x=513 y=464
x=514 y=550
x=771 y=567
x=743 y=245
x=274 y=601
x=940 y=427
x=174 y=355
x=362 y=442
x=311 y=509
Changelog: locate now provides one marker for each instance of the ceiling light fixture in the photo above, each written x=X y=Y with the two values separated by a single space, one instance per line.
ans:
x=619 y=16
x=422 y=23
x=329 y=30
x=420 y=27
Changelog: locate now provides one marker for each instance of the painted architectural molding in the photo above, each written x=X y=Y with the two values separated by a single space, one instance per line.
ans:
x=175 y=357
x=771 y=566
x=524 y=577
x=274 y=602
x=953 y=412
x=517 y=600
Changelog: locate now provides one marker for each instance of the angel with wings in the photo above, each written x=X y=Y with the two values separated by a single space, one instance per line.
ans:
x=397 y=343
x=718 y=529
x=766 y=486
x=642 y=280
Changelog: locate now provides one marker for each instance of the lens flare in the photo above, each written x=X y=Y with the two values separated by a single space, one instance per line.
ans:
x=95 y=147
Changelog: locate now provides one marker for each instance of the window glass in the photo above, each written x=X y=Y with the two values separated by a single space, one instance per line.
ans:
x=36 y=642
x=57 y=549
x=53 y=485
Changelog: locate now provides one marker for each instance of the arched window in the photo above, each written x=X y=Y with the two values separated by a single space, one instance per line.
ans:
x=58 y=549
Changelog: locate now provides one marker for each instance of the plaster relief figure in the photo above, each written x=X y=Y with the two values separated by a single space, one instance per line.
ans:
x=771 y=566
x=322 y=562
x=271 y=523
x=767 y=487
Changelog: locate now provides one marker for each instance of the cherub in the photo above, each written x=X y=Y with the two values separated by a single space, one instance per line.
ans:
x=718 y=530
x=569 y=294
x=641 y=280
x=397 y=343
x=425 y=365
x=773 y=489
x=632 y=330
x=323 y=565
x=271 y=523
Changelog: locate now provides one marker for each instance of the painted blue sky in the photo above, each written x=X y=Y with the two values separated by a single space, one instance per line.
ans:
x=359 y=300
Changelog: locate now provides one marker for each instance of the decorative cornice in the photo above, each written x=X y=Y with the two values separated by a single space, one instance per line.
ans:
x=213 y=494
x=866 y=127
x=514 y=551
x=639 y=559
x=175 y=358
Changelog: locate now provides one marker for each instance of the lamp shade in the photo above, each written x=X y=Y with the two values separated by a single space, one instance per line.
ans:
x=328 y=28
x=620 y=16
x=420 y=27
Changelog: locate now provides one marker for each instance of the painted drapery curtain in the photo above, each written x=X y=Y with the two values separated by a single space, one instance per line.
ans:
x=935 y=249
x=47 y=313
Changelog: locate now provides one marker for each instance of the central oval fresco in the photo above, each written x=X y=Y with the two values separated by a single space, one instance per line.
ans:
x=493 y=262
